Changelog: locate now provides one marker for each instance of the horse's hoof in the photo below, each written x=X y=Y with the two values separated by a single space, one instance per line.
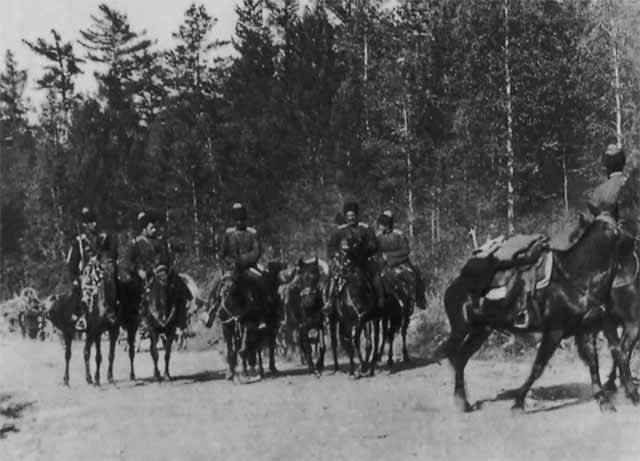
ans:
x=606 y=406
x=65 y=383
x=132 y=376
x=463 y=405
x=157 y=376
x=229 y=375
x=517 y=408
x=168 y=377
x=610 y=386
x=111 y=380
x=634 y=397
x=89 y=380
x=274 y=371
x=96 y=381
x=406 y=358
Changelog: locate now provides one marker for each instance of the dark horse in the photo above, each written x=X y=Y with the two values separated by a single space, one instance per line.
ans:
x=624 y=306
x=159 y=315
x=399 y=301
x=304 y=311
x=100 y=298
x=570 y=305
x=240 y=310
x=356 y=311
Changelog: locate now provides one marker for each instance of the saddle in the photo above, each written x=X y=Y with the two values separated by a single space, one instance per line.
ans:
x=497 y=267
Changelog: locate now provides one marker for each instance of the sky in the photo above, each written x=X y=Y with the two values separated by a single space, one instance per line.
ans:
x=30 y=19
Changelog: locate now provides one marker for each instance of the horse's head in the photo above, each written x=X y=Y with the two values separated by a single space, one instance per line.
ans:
x=155 y=298
x=308 y=282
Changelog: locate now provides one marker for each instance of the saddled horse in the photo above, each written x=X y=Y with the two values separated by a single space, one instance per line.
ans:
x=570 y=305
x=160 y=309
x=100 y=298
x=240 y=311
x=356 y=311
x=304 y=310
x=399 y=301
x=624 y=305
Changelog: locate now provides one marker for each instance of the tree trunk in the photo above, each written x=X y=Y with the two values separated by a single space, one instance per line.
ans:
x=565 y=184
x=410 y=195
x=616 y=75
x=196 y=222
x=510 y=155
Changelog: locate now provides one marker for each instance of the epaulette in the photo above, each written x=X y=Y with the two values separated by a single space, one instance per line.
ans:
x=230 y=230
x=362 y=224
x=397 y=232
x=252 y=230
x=343 y=226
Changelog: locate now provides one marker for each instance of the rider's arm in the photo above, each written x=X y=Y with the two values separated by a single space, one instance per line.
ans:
x=251 y=257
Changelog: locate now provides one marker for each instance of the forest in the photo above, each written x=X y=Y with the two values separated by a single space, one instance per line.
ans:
x=456 y=115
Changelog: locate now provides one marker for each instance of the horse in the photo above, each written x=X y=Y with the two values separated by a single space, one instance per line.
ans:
x=159 y=316
x=570 y=305
x=624 y=305
x=399 y=302
x=99 y=295
x=304 y=310
x=355 y=310
x=241 y=310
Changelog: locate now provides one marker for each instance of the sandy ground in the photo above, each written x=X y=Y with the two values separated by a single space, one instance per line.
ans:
x=406 y=415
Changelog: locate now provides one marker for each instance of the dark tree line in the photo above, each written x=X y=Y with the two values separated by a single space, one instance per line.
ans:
x=490 y=113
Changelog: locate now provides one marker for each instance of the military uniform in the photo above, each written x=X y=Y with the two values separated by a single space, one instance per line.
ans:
x=240 y=249
x=606 y=197
x=394 y=248
x=366 y=246
x=146 y=254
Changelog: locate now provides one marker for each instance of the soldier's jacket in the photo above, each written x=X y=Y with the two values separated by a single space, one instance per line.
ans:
x=240 y=248
x=606 y=198
x=85 y=246
x=394 y=247
x=366 y=241
x=146 y=254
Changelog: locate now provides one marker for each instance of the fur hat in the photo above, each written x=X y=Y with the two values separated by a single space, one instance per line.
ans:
x=386 y=218
x=238 y=211
x=350 y=206
x=86 y=216
x=614 y=158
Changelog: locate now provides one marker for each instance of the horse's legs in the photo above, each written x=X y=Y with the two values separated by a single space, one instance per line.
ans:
x=87 y=357
x=620 y=350
x=68 y=338
x=548 y=345
x=323 y=349
x=153 y=350
x=114 y=332
x=305 y=347
x=273 y=336
x=131 y=341
x=98 y=359
x=167 y=341
x=467 y=347
x=229 y=337
x=376 y=341
x=406 y=316
x=390 y=333
x=346 y=339
x=333 y=331
x=370 y=350
x=589 y=354
x=356 y=336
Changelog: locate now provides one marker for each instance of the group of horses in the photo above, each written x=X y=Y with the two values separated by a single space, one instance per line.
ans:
x=593 y=286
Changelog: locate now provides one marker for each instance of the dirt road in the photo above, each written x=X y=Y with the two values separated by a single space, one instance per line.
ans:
x=403 y=416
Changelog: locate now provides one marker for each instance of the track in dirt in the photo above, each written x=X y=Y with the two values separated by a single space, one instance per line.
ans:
x=199 y=415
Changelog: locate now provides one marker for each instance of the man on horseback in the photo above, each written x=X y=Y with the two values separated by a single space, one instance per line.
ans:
x=90 y=244
x=366 y=247
x=394 y=249
x=148 y=255
x=240 y=251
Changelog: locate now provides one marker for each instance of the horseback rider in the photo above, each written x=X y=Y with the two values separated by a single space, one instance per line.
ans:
x=366 y=247
x=240 y=252
x=614 y=196
x=147 y=255
x=394 y=250
x=89 y=243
